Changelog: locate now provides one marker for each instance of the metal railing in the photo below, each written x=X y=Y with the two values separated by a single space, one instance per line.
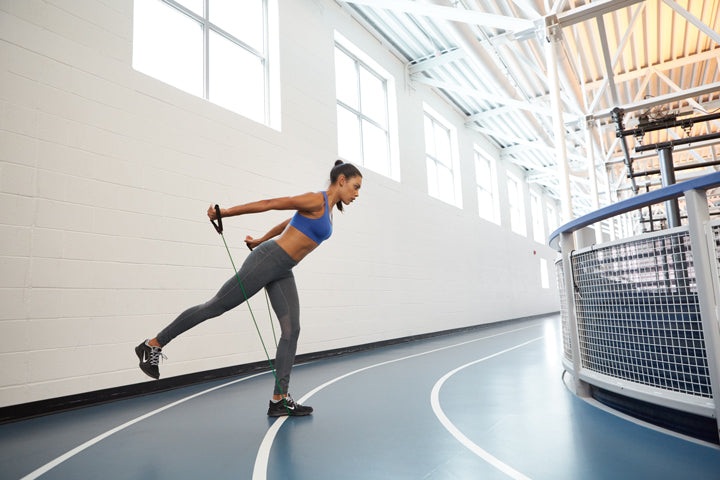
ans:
x=640 y=315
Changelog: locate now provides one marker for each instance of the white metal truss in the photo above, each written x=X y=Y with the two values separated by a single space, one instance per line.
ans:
x=489 y=59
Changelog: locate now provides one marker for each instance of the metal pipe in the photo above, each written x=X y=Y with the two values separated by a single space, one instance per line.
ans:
x=667 y=172
x=678 y=168
x=659 y=125
x=617 y=115
x=672 y=143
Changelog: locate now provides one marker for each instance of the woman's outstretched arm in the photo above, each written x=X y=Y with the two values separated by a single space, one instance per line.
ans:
x=307 y=202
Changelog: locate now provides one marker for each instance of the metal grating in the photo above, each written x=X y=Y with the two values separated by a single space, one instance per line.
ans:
x=638 y=316
x=567 y=342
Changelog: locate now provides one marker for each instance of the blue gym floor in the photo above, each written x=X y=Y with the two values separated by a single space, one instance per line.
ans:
x=486 y=404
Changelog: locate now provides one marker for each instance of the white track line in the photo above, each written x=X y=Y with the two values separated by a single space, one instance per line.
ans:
x=50 y=465
x=455 y=432
x=263 y=456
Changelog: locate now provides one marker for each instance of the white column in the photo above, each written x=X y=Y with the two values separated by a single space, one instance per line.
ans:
x=698 y=218
x=552 y=35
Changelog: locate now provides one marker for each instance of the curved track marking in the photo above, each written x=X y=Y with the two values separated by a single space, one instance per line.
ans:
x=263 y=456
x=71 y=453
x=455 y=432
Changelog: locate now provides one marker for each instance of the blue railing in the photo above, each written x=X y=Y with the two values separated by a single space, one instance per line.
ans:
x=634 y=203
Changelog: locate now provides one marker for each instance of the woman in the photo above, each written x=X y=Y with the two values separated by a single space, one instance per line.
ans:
x=270 y=265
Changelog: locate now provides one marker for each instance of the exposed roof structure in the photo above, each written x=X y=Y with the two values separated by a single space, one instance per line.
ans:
x=525 y=72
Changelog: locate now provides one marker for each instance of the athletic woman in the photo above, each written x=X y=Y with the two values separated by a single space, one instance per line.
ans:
x=269 y=265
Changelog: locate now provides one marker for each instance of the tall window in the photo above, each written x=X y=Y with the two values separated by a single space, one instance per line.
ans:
x=362 y=110
x=544 y=274
x=443 y=178
x=517 y=205
x=485 y=179
x=215 y=49
x=537 y=217
x=552 y=219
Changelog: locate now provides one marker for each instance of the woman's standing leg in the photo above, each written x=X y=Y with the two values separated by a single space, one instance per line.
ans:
x=284 y=298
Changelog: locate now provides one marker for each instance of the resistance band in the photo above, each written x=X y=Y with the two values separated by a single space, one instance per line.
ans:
x=219 y=229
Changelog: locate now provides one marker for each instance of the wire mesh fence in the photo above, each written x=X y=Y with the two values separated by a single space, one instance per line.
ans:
x=638 y=315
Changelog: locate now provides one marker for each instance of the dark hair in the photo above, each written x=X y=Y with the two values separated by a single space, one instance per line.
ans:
x=342 y=168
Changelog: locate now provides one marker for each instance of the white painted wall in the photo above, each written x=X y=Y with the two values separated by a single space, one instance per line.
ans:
x=106 y=174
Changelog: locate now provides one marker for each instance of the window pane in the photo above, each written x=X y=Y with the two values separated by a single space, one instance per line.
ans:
x=375 y=148
x=346 y=80
x=348 y=136
x=445 y=184
x=429 y=137
x=544 y=276
x=537 y=218
x=551 y=218
x=442 y=139
x=195 y=5
x=485 y=205
x=512 y=193
x=483 y=175
x=372 y=93
x=432 y=177
x=237 y=79
x=242 y=19
x=517 y=214
x=167 y=45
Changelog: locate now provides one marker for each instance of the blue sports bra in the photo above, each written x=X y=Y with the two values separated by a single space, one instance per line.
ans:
x=316 y=229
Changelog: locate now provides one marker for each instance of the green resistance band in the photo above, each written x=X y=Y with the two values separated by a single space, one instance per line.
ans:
x=219 y=229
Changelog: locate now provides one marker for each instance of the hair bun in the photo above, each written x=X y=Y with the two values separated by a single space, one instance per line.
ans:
x=338 y=162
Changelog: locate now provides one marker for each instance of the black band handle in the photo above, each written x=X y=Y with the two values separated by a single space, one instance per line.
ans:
x=218 y=226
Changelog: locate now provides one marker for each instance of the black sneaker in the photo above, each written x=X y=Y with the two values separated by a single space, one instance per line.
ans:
x=149 y=358
x=288 y=407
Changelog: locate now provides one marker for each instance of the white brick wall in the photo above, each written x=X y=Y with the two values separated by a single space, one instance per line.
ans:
x=105 y=176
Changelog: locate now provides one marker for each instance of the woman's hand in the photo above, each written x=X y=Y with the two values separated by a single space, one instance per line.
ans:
x=252 y=242
x=211 y=213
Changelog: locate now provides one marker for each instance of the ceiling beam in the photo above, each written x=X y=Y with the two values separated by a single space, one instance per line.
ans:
x=508 y=136
x=488 y=97
x=715 y=36
x=673 y=64
x=663 y=99
x=677 y=88
x=592 y=10
x=616 y=58
x=539 y=145
x=527 y=7
x=438 y=60
x=450 y=13
x=606 y=58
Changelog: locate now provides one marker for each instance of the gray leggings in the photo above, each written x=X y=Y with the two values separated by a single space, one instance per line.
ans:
x=267 y=266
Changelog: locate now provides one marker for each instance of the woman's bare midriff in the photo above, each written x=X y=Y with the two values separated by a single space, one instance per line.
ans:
x=295 y=243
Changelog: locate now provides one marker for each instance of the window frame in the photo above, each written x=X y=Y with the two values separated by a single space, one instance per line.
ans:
x=551 y=217
x=538 y=219
x=437 y=119
x=362 y=61
x=359 y=115
x=544 y=274
x=267 y=57
x=519 y=203
x=480 y=155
